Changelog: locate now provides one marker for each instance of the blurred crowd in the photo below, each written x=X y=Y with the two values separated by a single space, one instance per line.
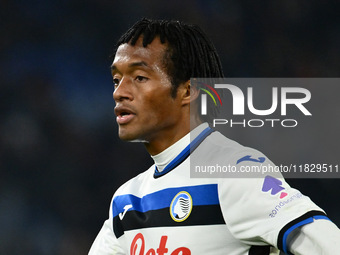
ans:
x=60 y=157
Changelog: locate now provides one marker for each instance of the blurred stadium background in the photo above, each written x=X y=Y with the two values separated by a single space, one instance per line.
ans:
x=60 y=158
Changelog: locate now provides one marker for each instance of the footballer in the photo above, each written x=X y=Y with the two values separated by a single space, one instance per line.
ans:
x=163 y=210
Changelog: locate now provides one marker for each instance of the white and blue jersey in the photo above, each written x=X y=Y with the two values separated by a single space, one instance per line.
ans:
x=168 y=212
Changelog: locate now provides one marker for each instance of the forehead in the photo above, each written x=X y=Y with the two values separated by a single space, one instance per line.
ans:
x=152 y=53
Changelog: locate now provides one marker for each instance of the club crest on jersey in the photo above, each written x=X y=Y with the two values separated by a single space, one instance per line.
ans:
x=181 y=206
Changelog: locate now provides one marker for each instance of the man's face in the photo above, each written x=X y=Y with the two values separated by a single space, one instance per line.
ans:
x=144 y=107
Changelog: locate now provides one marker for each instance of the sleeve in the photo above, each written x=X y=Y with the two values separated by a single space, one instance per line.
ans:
x=257 y=210
x=106 y=242
x=321 y=237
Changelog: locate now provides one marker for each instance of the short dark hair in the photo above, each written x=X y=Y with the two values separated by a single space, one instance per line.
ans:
x=191 y=53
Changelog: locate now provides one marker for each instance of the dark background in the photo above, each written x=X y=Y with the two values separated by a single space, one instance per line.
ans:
x=60 y=158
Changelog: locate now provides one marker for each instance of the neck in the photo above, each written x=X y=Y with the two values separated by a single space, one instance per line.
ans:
x=163 y=159
x=157 y=145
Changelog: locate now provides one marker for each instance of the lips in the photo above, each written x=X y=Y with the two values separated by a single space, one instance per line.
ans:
x=124 y=114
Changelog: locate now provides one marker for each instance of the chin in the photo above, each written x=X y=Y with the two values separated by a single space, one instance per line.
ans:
x=130 y=137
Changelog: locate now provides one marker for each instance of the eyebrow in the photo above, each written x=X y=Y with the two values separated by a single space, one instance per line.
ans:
x=134 y=64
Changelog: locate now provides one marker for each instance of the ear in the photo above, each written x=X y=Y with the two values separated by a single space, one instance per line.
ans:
x=188 y=93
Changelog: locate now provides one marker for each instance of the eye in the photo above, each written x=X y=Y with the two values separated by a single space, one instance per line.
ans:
x=115 y=82
x=141 y=78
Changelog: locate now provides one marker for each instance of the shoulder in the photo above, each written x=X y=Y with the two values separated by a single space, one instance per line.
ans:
x=219 y=150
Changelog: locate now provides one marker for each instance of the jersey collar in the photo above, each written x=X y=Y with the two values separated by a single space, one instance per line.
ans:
x=184 y=153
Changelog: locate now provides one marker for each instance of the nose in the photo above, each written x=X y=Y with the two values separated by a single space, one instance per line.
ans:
x=122 y=91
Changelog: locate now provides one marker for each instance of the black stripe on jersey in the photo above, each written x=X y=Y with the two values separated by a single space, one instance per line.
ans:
x=310 y=214
x=259 y=250
x=117 y=227
x=200 y=215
